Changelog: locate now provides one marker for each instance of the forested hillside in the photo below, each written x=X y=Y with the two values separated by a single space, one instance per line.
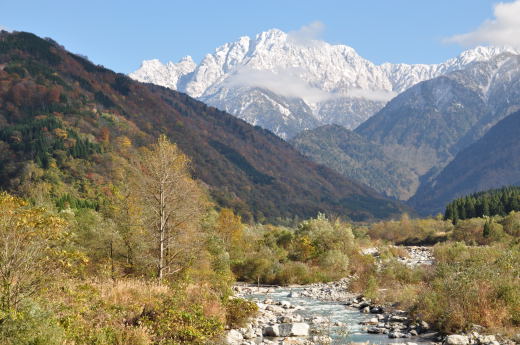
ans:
x=61 y=114
x=491 y=162
x=356 y=157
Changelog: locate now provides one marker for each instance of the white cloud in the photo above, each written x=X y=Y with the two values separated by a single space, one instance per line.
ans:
x=372 y=95
x=307 y=34
x=503 y=30
x=3 y=28
x=286 y=83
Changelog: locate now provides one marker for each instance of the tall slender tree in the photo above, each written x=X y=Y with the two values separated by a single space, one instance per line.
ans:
x=172 y=202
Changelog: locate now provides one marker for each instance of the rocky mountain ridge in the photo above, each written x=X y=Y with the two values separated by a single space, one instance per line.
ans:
x=426 y=126
x=411 y=140
x=285 y=84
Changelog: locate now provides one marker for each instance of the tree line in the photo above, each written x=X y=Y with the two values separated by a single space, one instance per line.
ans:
x=496 y=202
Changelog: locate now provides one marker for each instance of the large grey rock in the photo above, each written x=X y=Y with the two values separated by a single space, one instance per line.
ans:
x=271 y=331
x=486 y=339
x=248 y=333
x=234 y=337
x=298 y=329
x=376 y=330
x=424 y=325
x=396 y=334
x=376 y=310
x=456 y=339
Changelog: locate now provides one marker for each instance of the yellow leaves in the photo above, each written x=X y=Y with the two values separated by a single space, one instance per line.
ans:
x=28 y=222
x=123 y=142
x=229 y=226
x=9 y=202
x=60 y=133
x=30 y=237
x=304 y=248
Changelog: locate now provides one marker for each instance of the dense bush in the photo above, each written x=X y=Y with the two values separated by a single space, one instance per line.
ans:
x=238 y=311
x=318 y=249
x=171 y=326
x=410 y=231
x=30 y=325
x=472 y=285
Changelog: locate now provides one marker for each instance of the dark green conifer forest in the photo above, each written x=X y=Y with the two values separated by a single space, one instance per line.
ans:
x=496 y=202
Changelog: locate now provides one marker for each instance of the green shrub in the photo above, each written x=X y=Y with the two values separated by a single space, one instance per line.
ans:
x=371 y=287
x=335 y=262
x=30 y=325
x=172 y=326
x=294 y=273
x=238 y=311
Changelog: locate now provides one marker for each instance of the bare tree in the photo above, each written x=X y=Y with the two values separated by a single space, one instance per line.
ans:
x=172 y=202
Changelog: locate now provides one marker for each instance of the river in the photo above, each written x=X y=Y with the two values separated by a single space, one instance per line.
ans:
x=334 y=319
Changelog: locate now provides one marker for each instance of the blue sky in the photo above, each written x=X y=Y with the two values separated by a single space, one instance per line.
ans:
x=120 y=34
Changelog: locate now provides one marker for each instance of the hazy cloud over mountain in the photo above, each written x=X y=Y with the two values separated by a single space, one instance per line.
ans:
x=372 y=95
x=285 y=82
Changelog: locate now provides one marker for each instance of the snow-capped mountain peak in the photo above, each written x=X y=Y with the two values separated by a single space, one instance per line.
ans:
x=254 y=78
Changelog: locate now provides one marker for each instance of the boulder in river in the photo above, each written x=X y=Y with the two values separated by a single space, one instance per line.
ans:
x=318 y=320
x=397 y=334
x=456 y=339
x=297 y=329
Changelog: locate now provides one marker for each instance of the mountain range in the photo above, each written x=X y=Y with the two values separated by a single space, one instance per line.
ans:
x=491 y=162
x=64 y=121
x=57 y=107
x=422 y=130
x=287 y=84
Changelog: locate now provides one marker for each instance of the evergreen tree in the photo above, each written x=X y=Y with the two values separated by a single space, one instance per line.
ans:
x=487 y=229
x=484 y=204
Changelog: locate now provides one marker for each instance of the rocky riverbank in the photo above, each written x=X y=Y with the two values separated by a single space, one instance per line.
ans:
x=287 y=316
x=281 y=322
x=276 y=323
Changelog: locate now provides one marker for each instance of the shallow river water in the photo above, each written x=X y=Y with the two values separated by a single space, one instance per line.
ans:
x=334 y=312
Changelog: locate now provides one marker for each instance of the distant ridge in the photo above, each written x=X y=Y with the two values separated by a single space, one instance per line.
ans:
x=491 y=162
